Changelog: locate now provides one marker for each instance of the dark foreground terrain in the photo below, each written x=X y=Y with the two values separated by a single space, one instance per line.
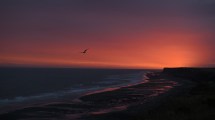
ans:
x=196 y=103
x=174 y=94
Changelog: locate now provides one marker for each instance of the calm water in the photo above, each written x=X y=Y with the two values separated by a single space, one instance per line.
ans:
x=25 y=84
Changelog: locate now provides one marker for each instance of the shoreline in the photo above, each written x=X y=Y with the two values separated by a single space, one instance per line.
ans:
x=116 y=87
x=181 y=86
x=103 y=102
x=192 y=100
x=68 y=98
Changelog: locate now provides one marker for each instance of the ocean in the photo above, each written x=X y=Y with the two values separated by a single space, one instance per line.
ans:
x=30 y=85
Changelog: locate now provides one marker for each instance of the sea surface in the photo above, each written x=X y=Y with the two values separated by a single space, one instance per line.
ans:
x=28 y=85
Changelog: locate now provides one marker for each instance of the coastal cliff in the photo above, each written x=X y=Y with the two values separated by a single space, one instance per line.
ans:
x=194 y=74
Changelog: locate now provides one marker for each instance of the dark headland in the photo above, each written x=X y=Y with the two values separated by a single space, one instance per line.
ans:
x=173 y=94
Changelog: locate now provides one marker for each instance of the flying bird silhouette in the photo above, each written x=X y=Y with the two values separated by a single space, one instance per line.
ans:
x=85 y=51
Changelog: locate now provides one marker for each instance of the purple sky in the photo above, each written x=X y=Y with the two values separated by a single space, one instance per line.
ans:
x=119 y=33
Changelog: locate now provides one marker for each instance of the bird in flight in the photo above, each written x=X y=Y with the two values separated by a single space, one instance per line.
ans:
x=85 y=51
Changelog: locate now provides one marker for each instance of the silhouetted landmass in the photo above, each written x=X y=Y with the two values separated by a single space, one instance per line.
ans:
x=195 y=74
x=198 y=103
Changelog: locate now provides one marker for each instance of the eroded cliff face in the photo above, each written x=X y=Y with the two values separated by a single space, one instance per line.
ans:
x=196 y=74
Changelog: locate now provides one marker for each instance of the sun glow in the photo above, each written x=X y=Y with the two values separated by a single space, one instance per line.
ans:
x=155 y=49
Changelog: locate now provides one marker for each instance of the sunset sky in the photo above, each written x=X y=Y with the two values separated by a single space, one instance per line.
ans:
x=118 y=33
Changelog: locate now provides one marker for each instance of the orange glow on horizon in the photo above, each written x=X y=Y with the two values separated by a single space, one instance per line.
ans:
x=154 y=50
x=128 y=34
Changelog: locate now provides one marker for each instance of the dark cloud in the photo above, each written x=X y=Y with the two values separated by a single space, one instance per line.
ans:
x=76 y=14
